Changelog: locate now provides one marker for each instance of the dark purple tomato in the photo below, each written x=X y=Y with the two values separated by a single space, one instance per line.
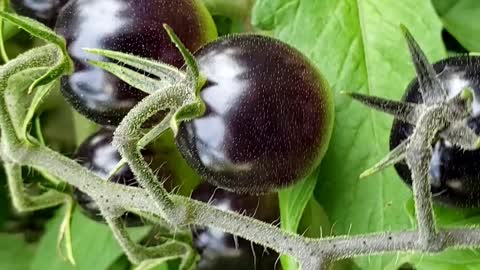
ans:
x=451 y=43
x=268 y=120
x=131 y=26
x=455 y=177
x=45 y=11
x=218 y=249
x=99 y=156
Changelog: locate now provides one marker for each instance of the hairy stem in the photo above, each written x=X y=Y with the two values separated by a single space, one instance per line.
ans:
x=42 y=56
x=129 y=133
x=307 y=250
x=419 y=154
x=21 y=200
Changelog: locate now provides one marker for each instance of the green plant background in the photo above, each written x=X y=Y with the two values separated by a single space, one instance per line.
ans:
x=357 y=46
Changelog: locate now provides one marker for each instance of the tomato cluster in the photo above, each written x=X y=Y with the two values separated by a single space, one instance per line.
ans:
x=268 y=120
x=269 y=112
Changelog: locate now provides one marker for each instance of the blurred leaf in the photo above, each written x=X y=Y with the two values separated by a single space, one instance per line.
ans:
x=15 y=253
x=460 y=18
x=358 y=46
x=83 y=127
x=94 y=246
x=121 y=263
x=293 y=201
x=227 y=25
x=314 y=222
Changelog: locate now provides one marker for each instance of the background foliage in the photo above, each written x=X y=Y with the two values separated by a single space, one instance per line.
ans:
x=358 y=46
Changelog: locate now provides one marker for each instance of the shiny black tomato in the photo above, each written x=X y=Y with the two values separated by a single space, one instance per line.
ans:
x=218 y=250
x=268 y=120
x=131 y=26
x=455 y=174
x=45 y=11
x=99 y=156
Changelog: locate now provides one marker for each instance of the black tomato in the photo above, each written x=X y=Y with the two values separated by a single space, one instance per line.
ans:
x=99 y=156
x=268 y=120
x=218 y=250
x=451 y=43
x=455 y=177
x=45 y=11
x=131 y=26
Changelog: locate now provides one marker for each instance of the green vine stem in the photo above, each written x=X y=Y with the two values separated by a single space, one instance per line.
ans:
x=313 y=254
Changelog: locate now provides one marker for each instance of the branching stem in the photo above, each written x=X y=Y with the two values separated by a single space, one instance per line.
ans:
x=304 y=249
x=419 y=154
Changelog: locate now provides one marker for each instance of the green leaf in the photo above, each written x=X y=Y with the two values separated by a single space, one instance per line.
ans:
x=293 y=201
x=358 y=46
x=15 y=253
x=94 y=246
x=460 y=18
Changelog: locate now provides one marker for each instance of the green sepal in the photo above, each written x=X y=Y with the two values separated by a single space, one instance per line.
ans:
x=187 y=112
x=64 y=241
x=64 y=63
x=187 y=55
x=162 y=70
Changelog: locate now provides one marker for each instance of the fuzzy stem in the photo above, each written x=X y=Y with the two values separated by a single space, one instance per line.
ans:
x=305 y=249
x=129 y=133
x=43 y=56
x=419 y=154
x=22 y=201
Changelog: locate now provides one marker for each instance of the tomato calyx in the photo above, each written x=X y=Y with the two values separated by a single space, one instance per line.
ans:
x=448 y=115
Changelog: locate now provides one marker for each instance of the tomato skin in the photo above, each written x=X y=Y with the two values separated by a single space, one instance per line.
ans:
x=131 y=26
x=455 y=175
x=217 y=249
x=45 y=11
x=98 y=155
x=268 y=120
